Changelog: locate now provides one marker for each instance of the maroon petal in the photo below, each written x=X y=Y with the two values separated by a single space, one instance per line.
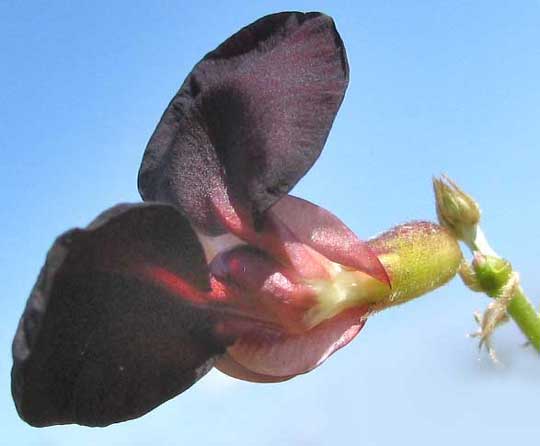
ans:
x=326 y=234
x=250 y=119
x=97 y=343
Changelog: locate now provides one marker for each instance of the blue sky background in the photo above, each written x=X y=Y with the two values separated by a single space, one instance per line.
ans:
x=435 y=87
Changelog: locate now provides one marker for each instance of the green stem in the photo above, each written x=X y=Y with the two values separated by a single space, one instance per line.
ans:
x=524 y=314
x=520 y=308
x=460 y=214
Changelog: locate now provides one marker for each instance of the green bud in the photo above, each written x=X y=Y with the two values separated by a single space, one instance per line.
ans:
x=419 y=257
x=456 y=210
x=492 y=273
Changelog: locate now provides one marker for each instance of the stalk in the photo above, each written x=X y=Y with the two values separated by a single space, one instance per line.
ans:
x=488 y=273
x=524 y=314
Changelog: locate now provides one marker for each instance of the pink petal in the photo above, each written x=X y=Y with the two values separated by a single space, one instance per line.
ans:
x=326 y=234
x=278 y=354
x=232 y=368
x=279 y=294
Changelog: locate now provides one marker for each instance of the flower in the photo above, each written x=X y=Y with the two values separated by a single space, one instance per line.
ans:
x=218 y=266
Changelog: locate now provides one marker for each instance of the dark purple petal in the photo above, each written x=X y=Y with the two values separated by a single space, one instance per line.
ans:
x=99 y=344
x=250 y=119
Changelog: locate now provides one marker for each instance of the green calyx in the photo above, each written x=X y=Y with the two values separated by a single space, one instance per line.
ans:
x=418 y=256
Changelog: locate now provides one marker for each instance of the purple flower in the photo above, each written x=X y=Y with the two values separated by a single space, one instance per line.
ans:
x=219 y=266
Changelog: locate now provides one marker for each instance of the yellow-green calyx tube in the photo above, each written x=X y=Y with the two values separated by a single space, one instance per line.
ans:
x=418 y=256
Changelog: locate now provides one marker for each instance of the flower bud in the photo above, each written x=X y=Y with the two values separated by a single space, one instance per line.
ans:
x=456 y=210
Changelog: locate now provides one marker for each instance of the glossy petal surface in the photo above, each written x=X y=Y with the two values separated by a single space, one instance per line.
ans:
x=279 y=354
x=250 y=119
x=281 y=296
x=97 y=344
x=328 y=235
x=230 y=367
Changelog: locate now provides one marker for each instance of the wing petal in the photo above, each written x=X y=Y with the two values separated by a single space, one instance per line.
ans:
x=98 y=343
